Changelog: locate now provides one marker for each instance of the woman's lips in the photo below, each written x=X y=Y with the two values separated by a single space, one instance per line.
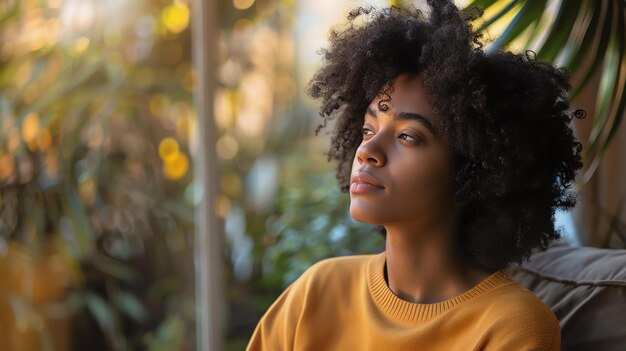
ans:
x=361 y=188
x=364 y=182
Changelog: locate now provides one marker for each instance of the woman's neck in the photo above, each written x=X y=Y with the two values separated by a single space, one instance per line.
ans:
x=425 y=268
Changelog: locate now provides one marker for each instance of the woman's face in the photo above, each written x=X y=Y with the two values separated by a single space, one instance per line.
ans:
x=405 y=155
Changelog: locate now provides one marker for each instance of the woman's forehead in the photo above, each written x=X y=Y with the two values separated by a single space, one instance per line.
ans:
x=406 y=94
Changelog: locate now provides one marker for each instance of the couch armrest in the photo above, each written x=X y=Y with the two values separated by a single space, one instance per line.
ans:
x=586 y=289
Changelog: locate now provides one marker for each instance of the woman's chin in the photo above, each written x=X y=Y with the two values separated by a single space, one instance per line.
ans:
x=360 y=214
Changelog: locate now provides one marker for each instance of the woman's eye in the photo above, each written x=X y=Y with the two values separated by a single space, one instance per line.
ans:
x=411 y=138
x=402 y=136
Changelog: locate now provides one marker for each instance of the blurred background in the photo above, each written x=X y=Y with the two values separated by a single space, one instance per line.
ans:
x=100 y=136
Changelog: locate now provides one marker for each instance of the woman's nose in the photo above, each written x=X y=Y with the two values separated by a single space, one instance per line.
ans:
x=370 y=151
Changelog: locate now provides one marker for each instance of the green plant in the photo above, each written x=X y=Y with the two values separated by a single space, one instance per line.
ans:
x=96 y=112
x=313 y=223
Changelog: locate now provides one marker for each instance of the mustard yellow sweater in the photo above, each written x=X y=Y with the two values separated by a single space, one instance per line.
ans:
x=344 y=303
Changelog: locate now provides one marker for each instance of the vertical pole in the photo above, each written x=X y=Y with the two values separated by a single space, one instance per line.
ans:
x=208 y=250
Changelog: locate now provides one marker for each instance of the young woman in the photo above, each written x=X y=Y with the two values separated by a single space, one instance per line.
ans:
x=461 y=158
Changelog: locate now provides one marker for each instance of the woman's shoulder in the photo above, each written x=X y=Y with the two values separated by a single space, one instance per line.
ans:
x=341 y=263
x=339 y=271
x=515 y=318
x=519 y=308
x=339 y=266
x=515 y=299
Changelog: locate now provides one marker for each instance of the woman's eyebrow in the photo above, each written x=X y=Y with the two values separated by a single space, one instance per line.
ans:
x=403 y=116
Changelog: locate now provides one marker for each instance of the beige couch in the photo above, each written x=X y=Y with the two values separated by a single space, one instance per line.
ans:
x=586 y=289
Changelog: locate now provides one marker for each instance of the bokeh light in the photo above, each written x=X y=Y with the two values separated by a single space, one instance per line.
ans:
x=44 y=139
x=227 y=147
x=175 y=168
x=168 y=149
x=81 y=44
x=176 y=17
x=222 y=206
x=243 y=4
x=30 y=127
x=7 y=164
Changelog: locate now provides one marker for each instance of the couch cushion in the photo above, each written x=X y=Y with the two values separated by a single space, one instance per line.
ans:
x=586 y=289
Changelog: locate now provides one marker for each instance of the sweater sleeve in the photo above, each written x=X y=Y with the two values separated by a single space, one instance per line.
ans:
x=276 y=329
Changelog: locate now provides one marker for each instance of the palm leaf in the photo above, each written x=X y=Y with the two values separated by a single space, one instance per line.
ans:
x=506 y=9
x=573 y=58
x=600 y=50
x=529 y=13
x=609 y=94
x=620 y=89
x=561 y=30
x=607 y=86
x=482 y=4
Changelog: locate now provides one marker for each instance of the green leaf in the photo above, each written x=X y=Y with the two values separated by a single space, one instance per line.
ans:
x=605 y=92
x=561 y=30
x=169 y=335
x=131 y=305
x=599 y=52
x=576 y=55
x=498 y=15
x=100 y=311
x=609 y=87
x=81 y=235
x=113 y=267
x=481 y=4
x=529 y=13
x=619 y=96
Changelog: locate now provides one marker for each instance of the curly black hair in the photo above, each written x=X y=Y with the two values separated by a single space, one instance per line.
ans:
x=505 y=117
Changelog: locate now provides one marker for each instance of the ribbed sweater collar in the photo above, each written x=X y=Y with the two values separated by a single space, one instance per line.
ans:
x=410 y=312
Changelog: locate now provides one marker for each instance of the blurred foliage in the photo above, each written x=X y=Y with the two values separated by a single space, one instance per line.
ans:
x=96 y=196
x=313 y=223
x=282 y=207
x=310 y=222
